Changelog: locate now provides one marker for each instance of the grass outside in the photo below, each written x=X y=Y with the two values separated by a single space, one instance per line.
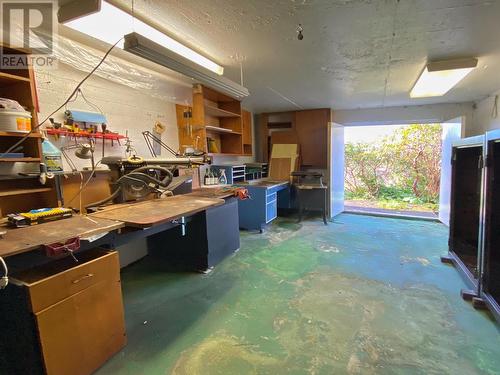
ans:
x=391 y=199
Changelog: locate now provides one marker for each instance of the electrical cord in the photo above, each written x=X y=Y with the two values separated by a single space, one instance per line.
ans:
x=90 y=104
x=494 y=111
x=137 y=176
x=4 y=280
x=75 y=91
x=92 y=172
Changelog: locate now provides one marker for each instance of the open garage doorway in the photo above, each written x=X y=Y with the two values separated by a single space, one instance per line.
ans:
x=393 y=169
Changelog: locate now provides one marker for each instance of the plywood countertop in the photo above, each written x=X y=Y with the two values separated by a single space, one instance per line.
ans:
x=157 y=211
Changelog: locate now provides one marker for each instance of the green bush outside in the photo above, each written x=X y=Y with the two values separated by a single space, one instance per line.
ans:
x=401 y=172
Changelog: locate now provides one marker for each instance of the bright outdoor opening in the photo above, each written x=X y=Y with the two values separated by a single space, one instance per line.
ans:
x=393 y=167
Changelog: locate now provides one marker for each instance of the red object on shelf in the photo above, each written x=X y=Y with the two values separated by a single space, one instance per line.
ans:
x=98 y=135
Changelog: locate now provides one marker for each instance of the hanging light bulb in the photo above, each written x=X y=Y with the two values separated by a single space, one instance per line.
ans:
x=300 y=36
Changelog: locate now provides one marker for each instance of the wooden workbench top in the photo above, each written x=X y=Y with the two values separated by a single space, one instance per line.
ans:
x=218 y=192
x=138 y=215
x=157 y=211
x=264 y=183
x=20 y=240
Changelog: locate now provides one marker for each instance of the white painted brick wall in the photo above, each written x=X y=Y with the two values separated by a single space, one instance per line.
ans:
x=126 y=109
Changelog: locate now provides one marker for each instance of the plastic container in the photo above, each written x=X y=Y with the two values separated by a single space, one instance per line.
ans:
x=15 y=121
x=51 y=157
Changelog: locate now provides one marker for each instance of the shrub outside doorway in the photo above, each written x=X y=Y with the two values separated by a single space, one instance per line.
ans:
x=399 y=170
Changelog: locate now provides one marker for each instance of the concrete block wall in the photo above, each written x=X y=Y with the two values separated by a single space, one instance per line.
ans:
x=484 y=116
x=126 y=109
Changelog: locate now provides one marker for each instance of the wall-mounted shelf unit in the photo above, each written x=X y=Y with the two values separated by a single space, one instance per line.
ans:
x=215 y=123
x=22 y=193
x=7 y=78
x=217 y=129
x=210 y=110
x=19 y=85
x=30 y=149
x=8 y=193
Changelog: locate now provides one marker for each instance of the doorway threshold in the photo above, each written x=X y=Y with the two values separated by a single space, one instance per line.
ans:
x=399 y=214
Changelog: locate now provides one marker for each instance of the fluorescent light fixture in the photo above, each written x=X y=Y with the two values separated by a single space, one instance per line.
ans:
x=152 y=51
x=441 y=76
x=111 y=23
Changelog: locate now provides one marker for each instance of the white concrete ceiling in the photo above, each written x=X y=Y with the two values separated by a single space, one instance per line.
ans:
x=355 y=53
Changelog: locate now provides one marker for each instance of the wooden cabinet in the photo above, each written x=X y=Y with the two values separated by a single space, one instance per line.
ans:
x=308 y=128
x=311 y=127
x=19 y=85
x=23 y=193
x=70 y=316
x=215 y=123
x=88 y=328
x=247 y=132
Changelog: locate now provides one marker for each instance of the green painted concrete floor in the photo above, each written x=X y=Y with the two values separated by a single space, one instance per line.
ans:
x=363 y=295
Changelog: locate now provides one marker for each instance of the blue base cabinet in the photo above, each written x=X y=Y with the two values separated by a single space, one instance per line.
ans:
x=262 y=207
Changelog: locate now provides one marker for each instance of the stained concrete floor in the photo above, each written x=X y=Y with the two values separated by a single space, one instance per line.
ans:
x=363 y=295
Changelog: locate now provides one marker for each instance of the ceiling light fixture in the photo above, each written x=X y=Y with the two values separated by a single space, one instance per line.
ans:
x=111 y=23
x=439 y=77
x=152 y=51
x=300 y=29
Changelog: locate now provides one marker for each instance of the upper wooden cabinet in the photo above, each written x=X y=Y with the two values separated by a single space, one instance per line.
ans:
x=215 y=124
x=247 y=132
x=311 y=127
x=308 y=128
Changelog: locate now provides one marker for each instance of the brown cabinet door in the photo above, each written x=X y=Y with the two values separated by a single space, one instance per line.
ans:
x=246 y=122
x=80 y=333
x=311 y=127
x=56 y=288
x=247 y=127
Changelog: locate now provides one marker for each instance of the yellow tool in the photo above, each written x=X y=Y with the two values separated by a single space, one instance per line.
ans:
x=39 y=216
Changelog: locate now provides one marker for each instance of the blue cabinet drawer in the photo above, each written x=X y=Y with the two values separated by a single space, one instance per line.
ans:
x=270 y=197
x=271 y=211
x=273 y=189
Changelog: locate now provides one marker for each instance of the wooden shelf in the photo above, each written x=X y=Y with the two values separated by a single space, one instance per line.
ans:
x=13 y=177
x=20 y=135
x=7 y=77
x=220 y=130
x=219 y=118
x=7 y=193
x=223 y=154
x=217 y=112
x=20 y=160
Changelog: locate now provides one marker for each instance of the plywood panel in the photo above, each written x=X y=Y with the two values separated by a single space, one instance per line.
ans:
x=280 y=169
x=287 y=151
x=157 y=211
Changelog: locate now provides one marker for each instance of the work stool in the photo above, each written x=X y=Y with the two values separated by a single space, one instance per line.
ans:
x=310 y=191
